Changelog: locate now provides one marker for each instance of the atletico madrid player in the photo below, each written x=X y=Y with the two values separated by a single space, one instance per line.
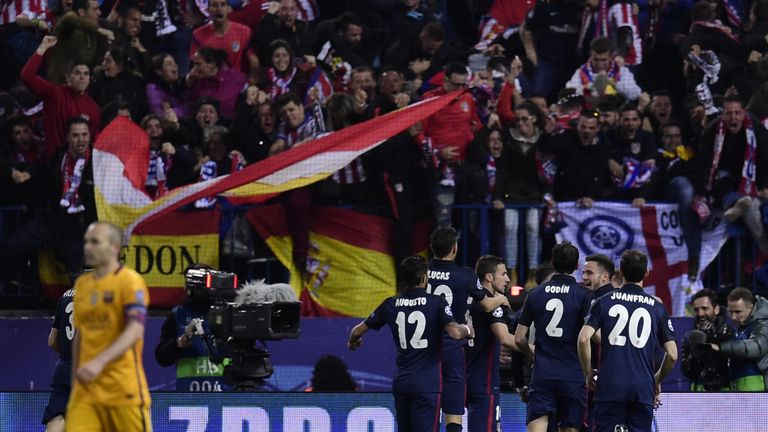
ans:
x=417 y=321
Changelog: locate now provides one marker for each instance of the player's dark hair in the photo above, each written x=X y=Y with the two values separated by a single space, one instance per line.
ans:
x=487 y=264
x=741 y=293
x=603 y=262
x=565 y=258
x=286 y=98
x=442 y=240
x=331 y=375
x=708 y=293
x=633 y=266
x=544 y=271
x=412 y=270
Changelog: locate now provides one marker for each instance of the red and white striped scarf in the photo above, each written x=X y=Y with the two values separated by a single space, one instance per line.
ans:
x=622 y=15
x=354 y=173
x=72 y=177
x=279 y=85
x=11 y=9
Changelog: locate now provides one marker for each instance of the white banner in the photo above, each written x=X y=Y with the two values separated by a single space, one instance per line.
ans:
x=611 y=228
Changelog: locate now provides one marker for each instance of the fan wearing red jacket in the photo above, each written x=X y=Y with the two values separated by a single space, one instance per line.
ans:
x=61 y=102
x=447 y=135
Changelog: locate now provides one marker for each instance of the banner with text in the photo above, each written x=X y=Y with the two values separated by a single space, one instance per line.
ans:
x=611 y=228
x=159 y=251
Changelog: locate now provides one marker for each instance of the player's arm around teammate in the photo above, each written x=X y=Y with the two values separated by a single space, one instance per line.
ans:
x=454 y=330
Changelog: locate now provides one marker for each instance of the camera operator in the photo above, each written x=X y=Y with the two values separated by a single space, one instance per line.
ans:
x=748 y=350
x=182 y=340
x=704 y=367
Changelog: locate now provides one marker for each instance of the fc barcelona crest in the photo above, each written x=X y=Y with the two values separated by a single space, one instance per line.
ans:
x=109 y=297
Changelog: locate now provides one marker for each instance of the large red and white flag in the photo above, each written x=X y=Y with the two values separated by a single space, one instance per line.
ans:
x=611 y=228
x=121 y=155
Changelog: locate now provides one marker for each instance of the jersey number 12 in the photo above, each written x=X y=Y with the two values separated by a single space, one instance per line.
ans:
x=415 y=317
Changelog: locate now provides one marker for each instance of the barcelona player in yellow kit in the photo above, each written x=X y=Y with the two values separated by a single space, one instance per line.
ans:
x=109 y=388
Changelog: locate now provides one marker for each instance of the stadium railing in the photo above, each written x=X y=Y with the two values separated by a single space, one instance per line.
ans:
x=736 y=264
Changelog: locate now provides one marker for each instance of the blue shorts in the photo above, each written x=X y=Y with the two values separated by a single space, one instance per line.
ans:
x=417 y=412
x=635 y=416
x=454 y=381
x=57 y=403
x=483 y=412
x=565 y=399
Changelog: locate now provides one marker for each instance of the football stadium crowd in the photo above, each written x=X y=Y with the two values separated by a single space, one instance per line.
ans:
x=564 y=100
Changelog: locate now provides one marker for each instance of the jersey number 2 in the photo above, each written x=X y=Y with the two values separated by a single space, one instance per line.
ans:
x=556 y=306
x=637 y=336
x=415 y=317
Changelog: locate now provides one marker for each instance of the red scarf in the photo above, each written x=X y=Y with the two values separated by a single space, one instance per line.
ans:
x=72 y=177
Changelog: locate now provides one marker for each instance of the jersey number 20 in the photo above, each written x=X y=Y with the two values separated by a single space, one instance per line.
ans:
x=415 y=317
x=638 y=335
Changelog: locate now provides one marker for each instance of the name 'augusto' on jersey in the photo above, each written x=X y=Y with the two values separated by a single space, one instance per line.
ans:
x=636 y=298
x=411 y=302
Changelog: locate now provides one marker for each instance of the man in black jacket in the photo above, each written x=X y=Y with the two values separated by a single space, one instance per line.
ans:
x=581 y=155
x=725 y=147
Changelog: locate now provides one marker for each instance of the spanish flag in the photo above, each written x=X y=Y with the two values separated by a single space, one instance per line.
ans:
x=351 y=267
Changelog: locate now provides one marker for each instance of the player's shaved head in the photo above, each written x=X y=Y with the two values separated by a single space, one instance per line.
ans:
x=113 y=233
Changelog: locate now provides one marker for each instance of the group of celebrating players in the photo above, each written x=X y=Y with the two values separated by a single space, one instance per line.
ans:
x=449 y=324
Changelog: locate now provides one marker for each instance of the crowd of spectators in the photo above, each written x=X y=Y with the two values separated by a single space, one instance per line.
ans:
x=566 y=100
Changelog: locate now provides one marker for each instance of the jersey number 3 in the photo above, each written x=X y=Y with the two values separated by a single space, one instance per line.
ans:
x=638 y=335
x=415 y=317
x=70 y=329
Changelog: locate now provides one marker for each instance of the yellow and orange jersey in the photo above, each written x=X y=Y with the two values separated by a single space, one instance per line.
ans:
x=101 y=307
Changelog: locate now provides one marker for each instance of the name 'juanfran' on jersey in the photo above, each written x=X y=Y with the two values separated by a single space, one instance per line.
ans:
x=417 y=320
x=634 y=327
